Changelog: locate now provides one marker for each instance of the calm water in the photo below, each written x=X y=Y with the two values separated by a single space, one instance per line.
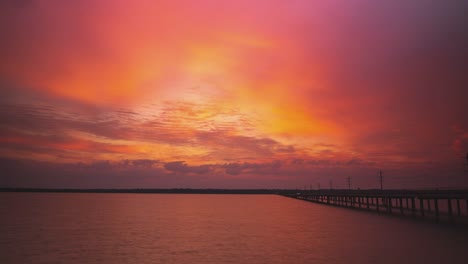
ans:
x=167 y=228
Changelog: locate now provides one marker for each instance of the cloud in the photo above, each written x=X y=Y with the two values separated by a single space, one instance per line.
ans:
x=355 y=84
x=70 y=131
x=253 y=168
x=144 y=163
x=286 y=149
x=181 y=167
x=98 y=174
x=177 y=174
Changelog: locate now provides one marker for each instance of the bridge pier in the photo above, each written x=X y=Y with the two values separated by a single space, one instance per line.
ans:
x=421 y=206
x=436 y=206
x=401 y=205
x=450 y=211
x=389 y=205
x=377 y=205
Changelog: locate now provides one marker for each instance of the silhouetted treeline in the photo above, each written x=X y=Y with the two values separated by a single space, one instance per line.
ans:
x=362 y=192
x=175 y=190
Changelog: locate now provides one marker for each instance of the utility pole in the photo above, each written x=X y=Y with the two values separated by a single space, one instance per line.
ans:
x=331 y=184
x=318 y=186
x=349 y=182
x=381 y=180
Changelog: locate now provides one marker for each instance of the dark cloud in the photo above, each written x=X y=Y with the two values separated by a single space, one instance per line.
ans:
x=144 y=162
x=99 y=174
x=233 y=168
x=297 y=161
x=182 y=167
x=277 y=174
x=116 y=165
x=99 y=165
x=251 y=168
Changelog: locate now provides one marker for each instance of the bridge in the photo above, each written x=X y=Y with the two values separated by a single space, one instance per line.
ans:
x=440 y=205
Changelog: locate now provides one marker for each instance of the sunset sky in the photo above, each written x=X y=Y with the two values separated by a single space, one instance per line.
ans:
x=233 y=94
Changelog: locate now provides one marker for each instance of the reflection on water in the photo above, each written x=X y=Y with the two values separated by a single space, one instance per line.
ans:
x=169 y=228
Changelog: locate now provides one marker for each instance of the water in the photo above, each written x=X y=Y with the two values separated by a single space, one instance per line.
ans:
x=169 y=228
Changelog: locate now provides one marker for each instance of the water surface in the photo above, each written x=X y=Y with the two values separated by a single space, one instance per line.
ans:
x=183 y=228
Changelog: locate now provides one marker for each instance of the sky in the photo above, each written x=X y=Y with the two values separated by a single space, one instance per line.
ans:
x=233 y=94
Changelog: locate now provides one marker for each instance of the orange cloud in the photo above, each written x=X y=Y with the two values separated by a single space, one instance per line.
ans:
x=232 y=82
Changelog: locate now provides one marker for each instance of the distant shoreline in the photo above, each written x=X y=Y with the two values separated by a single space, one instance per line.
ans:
x=233 y=191
x=162 y=191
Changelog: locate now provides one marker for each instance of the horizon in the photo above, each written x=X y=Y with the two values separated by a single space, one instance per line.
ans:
x=233 y=95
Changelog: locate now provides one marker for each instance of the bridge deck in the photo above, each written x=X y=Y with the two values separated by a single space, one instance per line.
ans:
x=442 y=205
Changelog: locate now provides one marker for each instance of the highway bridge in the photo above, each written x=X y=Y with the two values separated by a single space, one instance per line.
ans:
x=440 y=205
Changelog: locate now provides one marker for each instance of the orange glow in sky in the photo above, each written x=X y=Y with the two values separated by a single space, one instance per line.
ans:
x=233 y=93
